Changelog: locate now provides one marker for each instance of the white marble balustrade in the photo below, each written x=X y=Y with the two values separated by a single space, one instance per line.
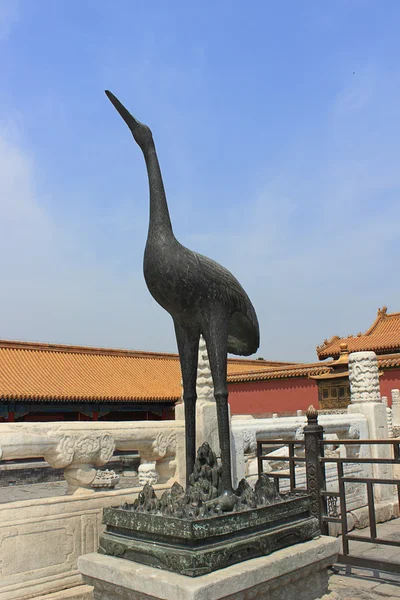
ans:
x=80 y=447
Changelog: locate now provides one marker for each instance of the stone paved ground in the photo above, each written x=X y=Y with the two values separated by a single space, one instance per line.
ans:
x=352 y=583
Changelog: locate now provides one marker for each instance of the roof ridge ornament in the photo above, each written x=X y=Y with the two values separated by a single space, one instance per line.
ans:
x=382 y=312
x=327 y=342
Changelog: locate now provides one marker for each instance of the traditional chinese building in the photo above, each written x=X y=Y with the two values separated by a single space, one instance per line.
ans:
x=382 y=337
x=56 y=382
x=53 y=382
x=324 y=384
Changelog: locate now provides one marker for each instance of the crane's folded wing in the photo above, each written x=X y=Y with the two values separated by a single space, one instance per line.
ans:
x=244 y=334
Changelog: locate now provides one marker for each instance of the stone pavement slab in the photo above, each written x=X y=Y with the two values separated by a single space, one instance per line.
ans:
x=364 y=584
x=354 y=583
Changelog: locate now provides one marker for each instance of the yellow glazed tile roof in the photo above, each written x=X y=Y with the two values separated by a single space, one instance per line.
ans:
x=382 y=337
x=71 y=373
x=294 y=370
x=54 y=372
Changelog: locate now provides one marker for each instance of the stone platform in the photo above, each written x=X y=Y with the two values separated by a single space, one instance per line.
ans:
x=194 y=547
x=295 y=573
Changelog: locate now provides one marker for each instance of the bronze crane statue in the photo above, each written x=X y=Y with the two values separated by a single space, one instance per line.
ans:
x=202 y=298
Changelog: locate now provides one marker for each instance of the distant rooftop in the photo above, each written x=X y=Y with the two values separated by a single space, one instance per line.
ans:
x=383 y=337
x=33 y=371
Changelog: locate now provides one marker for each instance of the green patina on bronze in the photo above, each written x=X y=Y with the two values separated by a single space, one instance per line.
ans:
x=194 y=548
x=124 y=521
x=190 y=532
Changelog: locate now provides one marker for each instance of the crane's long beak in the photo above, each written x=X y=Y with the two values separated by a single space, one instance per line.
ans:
x=125 y=114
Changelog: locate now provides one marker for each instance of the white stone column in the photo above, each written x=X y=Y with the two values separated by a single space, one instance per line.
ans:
x=364 y=377
x=206 y=412
x=366 y=399
x=396 y=407
x=389 y=416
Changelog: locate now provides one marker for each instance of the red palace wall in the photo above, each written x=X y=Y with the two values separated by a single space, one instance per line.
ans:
x=289 y=395
x=390 y=380
x=273 y=396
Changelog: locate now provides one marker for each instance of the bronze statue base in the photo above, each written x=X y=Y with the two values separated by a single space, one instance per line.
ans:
x=195 y=547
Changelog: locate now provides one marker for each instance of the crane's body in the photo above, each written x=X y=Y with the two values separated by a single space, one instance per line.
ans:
x=181 y=291
x=202 y=297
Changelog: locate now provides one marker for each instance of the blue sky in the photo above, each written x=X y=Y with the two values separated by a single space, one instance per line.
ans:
x=278 y=131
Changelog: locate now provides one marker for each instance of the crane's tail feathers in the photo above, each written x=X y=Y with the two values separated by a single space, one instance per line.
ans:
x=125 y=114
x=244 y=334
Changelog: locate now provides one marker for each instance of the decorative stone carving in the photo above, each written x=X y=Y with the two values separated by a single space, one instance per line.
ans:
x=390 y=422
x=354 y=432
x=105 y=479
x=396 y=408
x=249 y=441
x=78 y=454
x=166 y=470
x=91 y=448
x=165 y=443
x=299 y=435
x=148 y=474
x=205 y=387
x=389 y=415
x=396 y=397
x=364 y=377
x=204 y=382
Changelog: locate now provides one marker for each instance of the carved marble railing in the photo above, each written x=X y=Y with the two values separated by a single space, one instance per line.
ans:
x=246 y=431
x=79 y=447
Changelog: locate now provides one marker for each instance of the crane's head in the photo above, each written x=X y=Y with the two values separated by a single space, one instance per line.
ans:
x=140 y=131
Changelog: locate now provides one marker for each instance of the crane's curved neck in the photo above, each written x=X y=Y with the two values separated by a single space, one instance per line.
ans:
x=160 y=221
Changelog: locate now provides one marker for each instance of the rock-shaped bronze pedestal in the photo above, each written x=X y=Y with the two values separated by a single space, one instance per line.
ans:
x=187 y=532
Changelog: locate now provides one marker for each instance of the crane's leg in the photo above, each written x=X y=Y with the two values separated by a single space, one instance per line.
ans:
x=216 y=336
x=188 y=345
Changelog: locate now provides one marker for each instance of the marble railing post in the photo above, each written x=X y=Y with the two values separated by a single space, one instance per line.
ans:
x=247 y=431
x=389 y=415
x=366 y=399
x=396 y=407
